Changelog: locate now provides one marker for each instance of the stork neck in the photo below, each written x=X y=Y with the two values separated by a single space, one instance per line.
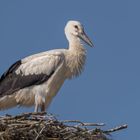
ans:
x=75 y=58
x=75 y=45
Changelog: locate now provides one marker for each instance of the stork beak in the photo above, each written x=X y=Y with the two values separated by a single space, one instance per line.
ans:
x=86 y=39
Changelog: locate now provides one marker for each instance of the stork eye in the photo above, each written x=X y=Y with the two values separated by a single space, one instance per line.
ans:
x=76 y=26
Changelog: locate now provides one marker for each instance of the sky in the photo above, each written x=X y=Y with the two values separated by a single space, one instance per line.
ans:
x=108 y=90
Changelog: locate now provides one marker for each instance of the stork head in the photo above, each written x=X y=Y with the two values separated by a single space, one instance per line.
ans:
x=75 y=31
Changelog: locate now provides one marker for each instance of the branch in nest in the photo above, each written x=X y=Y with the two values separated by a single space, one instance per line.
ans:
x=116 y=129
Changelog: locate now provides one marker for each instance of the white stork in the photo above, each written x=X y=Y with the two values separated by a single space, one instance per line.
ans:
x=36 y=79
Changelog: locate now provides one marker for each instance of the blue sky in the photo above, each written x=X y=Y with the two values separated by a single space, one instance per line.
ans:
x=109 y=88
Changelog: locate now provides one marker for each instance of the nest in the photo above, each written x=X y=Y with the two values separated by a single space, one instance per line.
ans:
x=43 y=126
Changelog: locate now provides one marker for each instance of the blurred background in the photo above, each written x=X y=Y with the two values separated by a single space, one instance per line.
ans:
x=108 y=90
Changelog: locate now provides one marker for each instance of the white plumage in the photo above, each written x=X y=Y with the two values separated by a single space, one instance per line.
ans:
x=36 y=79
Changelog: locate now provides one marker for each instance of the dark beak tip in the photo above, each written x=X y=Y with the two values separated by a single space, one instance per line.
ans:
x=86 y=39
x=92 y=46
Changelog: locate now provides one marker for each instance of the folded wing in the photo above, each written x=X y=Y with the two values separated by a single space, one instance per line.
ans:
x=30 y=71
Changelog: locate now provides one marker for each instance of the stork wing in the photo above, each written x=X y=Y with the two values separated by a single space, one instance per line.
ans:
x=30 y=71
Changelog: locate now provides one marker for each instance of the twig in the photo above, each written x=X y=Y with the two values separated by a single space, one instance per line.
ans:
x=82 y=124
x=116 y=129
x=91 y=124
x=40 y=133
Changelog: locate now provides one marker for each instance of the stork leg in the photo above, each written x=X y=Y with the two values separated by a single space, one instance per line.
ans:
x=43 y=107
x=36 y=108
x=39 y=103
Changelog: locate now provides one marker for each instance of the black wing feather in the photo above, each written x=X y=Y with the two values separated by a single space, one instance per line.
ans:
x=11 y=82
x=10 y=70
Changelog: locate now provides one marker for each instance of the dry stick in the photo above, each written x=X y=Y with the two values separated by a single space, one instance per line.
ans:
x=116 y=129
x=40 y=133
x=24 y=115
x=83 y=124
x=91 y=124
